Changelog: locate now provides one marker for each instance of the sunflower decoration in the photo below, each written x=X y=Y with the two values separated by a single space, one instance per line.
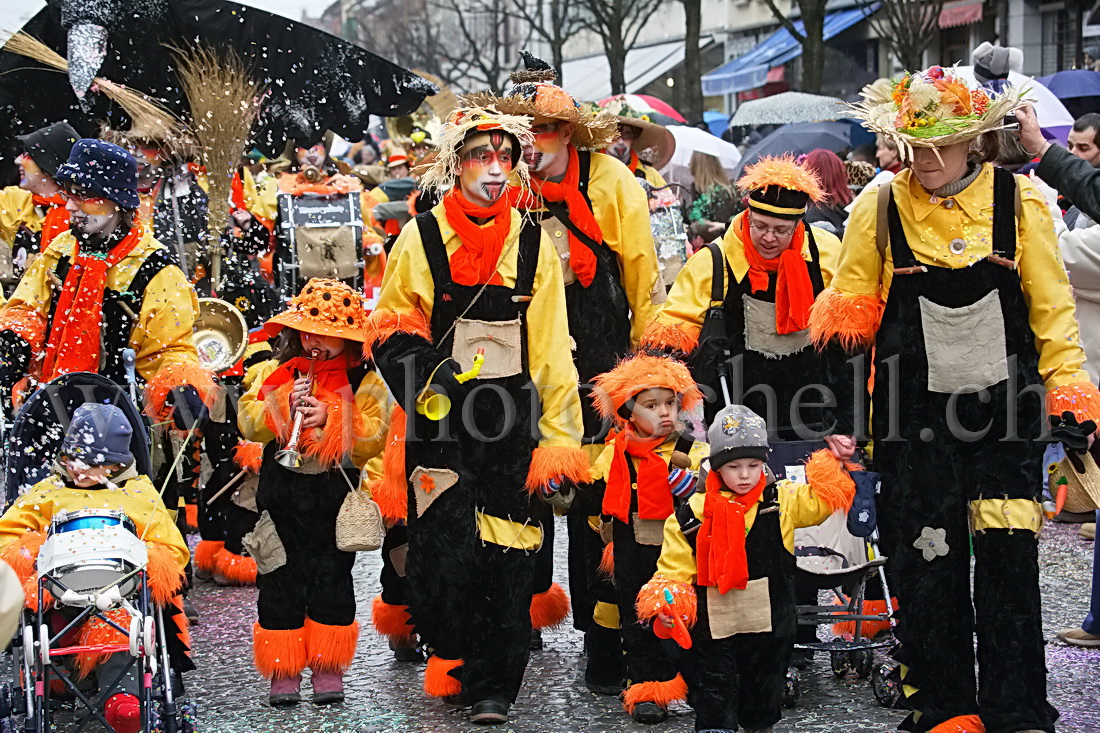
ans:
x=326 y=307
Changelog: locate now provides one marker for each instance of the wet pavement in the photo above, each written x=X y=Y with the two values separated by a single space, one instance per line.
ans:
x=384 y=695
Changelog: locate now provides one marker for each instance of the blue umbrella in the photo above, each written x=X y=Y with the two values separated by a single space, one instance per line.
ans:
x=1073 y=83
x=802 y=137
x=716 y=121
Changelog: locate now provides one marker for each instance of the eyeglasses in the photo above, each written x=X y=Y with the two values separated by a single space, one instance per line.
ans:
x=777 y=232
x=80 y=197
x=544 y=128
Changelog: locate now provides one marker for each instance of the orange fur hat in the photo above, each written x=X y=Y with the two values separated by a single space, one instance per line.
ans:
x=614 y=389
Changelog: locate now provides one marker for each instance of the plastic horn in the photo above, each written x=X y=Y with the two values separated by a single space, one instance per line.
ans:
x=289 y=457
x=436 y=406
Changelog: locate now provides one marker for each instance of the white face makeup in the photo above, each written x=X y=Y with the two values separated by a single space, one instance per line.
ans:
x=91 y=215
x=547 y=155
x=485 y=162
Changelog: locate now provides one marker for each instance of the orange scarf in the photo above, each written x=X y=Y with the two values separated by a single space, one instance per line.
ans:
x=794 y=293
x=720 y=552
x=654 y=494
x=476 y=259
x=633 y=164
x=74 y=342
x=56 y=220
x=581 y=258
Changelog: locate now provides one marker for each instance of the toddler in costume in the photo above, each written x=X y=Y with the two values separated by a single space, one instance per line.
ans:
x=95 y=468
x=729 y=564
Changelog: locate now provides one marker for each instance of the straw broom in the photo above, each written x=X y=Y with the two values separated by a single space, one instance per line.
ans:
x=225 y=102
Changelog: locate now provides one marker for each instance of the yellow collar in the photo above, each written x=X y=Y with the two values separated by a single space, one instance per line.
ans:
x=971 y=200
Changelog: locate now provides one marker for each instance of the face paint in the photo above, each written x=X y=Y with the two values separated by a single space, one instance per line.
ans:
x=150 y=163
x=621 y=149
x=34 y=179
x=485 y=162
x=90 y=215
x=546 y=148
x=314 y=156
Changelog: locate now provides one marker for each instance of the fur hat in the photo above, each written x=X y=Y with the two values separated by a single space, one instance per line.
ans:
x=780 y=187
x=616 y=389
x=324 y=307
x=461 y=124
x=737 y=432
x=534 y=93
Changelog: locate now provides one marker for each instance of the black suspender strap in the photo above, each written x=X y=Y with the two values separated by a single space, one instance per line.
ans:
x=684 y=443
x=434 y=249
x=815 y=259
x=1005 y=211
x=718 y=276
x=584 y=161
x=530 y=239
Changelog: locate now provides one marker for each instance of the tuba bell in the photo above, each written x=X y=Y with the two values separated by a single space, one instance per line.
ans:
x=220 y=334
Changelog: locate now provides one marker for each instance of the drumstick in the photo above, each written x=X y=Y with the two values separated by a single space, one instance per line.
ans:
x=228 y=485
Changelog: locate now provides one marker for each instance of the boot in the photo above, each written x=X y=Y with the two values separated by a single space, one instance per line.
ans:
x=328 y=687
x=649 y=713
x=489 y=712
x=405 y=649
x=123 y=712
x=285 y=691
x=1087 y=531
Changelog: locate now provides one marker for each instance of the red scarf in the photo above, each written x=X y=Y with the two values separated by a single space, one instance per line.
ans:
x=581 y=258
x=74 y=342
x=720 y=552
x=476 y=260
x=654 y=495
x=794 y=293
x=330 y=375
x=56 y=220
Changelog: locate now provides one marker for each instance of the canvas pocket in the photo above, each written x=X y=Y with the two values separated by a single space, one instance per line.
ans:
x=760 y=333
x=501 y=340
x=965 y=346
x=648 y=531
x=428 y=484
x=747 y=611
x=265 y=546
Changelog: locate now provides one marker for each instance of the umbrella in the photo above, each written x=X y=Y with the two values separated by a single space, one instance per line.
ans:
x=802 y=137
x=1078 y=89
x=718 y=122
x=1054 y=118
x=693 y=140
x=787 y=107
x=645 y=103
x=316 y=81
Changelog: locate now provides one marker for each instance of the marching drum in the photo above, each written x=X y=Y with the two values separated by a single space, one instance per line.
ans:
x=90 y=549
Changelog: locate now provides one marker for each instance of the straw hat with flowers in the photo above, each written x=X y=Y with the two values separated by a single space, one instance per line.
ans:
x=653 y=142
x=463 y=122
x=324 y=307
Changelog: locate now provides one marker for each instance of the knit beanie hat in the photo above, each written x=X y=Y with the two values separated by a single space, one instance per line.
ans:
x=104 y=169
x=98 y=435
x=737 y=432
x=994 y=62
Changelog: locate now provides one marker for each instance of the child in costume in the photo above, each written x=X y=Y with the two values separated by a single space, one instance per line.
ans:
x=95 y=468
x=729 y=564
x=647 y=467
x=307 y=606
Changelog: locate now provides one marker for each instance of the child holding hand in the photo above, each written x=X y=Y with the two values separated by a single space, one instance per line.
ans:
x=729 y=564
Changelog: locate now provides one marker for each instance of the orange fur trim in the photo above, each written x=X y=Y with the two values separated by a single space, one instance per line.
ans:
x=177 y=374
x=607 y=560
x=390 y=620
x=549 y=608
x=278 y=652
x=636 y=373
x=438 y=680
x=343 y=426
x=249 y=455
x=663 y=693
x=682 y=337
x=652 y=597
x=784 y=172
x=22 y=553
x=235 y=568
x=960 y=724
x=30 y=594
x=330 y=648
x=277 y=415
x=826 y=476
x=97 y=632
x=191 y=516
x=1080 y=398
x=554 y=462
x=165 y=575
x=384 y=323
x=392 y=492
x=204 y=556
x=29 y=325
x=868 y=629
x=852 y=320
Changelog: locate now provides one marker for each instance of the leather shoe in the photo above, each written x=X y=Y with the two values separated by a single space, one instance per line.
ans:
x=649 y=712
x=489 y=712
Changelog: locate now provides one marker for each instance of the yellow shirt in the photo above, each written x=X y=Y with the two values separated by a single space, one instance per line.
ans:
x=137 y=498
x=407 y=287
x=689 y=299
x=798 y=507
x=700 y=451
x=652 y=177
x=370 y=401
x=162 y=334
x=931 y=227
x=17 y=209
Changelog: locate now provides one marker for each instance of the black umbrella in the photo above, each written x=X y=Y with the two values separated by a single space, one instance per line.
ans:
x=316 y=81
x=800 y=138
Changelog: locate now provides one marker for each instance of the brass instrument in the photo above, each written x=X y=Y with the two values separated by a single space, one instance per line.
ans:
x=220 y=334
x=289 y=457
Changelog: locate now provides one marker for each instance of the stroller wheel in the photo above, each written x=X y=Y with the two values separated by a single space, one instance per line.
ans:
x=793 y=688
x=862 y=661
x=840 y=662
x=885 y=684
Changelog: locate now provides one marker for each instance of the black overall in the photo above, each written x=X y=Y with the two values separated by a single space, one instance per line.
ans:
x=470 y=599
x=931 y=470
x=739 y=680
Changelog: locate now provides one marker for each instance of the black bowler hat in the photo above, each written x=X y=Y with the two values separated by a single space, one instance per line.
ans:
x=50 y=146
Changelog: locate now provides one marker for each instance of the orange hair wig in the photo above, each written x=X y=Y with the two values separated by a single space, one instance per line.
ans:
x=638 y=373
x=783 y=172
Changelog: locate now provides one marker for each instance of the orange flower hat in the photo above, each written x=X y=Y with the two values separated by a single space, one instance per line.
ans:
x=325 y=307
x=638 y=373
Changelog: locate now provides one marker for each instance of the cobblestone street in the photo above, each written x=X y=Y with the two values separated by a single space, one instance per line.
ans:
x=384 y=695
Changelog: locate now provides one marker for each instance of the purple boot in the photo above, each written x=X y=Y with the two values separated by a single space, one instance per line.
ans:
x=328 y=687
x=285 y=691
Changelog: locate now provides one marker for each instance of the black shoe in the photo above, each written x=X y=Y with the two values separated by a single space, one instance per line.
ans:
x=801 y=659
x=489 y=712
x=649 y=712
x=604 y=687
x=404 y=653
x=536 y=640
x=190 y=612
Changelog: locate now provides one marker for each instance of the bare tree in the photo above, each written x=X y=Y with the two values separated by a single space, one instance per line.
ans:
x=907 y=27
x=405 y=31
x=692 y=105
x=618 y=24
x=483 y=41
x=554 y=21
x=812 y=39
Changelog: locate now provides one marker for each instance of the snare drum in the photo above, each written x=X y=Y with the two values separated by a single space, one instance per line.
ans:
x=90 y=549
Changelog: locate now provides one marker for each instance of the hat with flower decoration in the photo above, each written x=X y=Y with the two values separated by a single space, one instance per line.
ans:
x=534 y=93
x=615 y=390
x=460 y=125
x=654 y=143
x=780 y=187
x=325 y=307
x=932 y=108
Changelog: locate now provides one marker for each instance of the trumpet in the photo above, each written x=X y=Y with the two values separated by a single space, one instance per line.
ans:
x=289 y=457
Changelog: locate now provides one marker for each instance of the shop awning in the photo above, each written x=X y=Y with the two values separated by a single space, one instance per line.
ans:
x=960 y=12
x=589 y=78
x=751 y=70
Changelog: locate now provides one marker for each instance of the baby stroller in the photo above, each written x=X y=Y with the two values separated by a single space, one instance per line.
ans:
x=92 y=566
